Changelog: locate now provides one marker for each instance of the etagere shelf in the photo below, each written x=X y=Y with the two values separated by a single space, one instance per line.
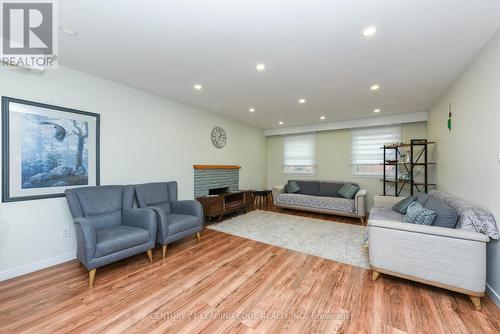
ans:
x=398 y=173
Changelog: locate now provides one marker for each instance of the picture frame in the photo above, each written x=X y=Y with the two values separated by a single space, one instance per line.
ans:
x=47 y=149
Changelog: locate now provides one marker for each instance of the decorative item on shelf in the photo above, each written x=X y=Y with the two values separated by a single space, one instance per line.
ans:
x=404 y=177
x=392 y=161
x=47 y=149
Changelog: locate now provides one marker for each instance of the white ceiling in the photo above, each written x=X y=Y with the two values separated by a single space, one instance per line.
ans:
x=312 y=49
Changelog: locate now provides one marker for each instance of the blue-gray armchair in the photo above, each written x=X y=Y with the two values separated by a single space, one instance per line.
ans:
x=108 y=228
x=175 y=219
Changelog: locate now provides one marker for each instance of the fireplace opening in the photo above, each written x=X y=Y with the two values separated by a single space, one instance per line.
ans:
x=218 y=191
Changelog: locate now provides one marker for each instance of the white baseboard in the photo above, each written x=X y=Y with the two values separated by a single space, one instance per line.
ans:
x=494 y=296
x=29 y=268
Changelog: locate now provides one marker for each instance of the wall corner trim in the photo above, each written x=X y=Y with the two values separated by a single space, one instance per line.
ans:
x=494 y=296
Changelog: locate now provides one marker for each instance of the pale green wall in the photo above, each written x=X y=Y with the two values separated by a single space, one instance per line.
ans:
x=333 y=155
x=467 y=156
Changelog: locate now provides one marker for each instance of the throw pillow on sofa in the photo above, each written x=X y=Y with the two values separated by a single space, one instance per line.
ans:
x=446 y=216
x=348 y=190
x=293 y=187
x=402 y=206
x=417 y=214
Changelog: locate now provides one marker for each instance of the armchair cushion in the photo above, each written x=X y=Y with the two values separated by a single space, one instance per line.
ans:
x=116 y=238
x=178 y=223
x=153 y=194
x=187 y=207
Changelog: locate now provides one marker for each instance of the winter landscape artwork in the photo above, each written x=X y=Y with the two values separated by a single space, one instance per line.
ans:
x=47 y=149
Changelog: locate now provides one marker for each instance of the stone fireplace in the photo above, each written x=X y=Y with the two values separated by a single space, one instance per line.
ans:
x=215 y=179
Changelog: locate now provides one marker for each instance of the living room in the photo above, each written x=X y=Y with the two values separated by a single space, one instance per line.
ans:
x=305 y=142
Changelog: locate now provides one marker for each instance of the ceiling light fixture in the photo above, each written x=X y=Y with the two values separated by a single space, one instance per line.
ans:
x=376 y=110
x=198 y=87
x=302 y=101
x=251 y=109
x=322 y=117
x=67 y=31
x=375 y=87
x=260 y=67
x=369 y=31
x=281 y=122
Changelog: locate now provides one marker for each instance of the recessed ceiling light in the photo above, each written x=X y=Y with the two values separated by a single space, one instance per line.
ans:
x=281 y=122
x=67 y=31
x=302 y=101
x=369 y=31
x=260 y=67
x=322 y=117
x=251 y=109
x=197 y=87
x=376 y=110
x=374 y=87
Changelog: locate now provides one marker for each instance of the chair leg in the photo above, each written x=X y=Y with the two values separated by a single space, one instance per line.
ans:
x=198 y=236
x=164 y=249
x=476 y=301
x=150 y=255
x=91 y=277
x=375 y=275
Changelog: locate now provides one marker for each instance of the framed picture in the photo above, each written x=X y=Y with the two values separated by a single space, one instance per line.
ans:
x=46 y=150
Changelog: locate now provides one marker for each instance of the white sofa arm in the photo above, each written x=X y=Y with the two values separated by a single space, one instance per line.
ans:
x=277 y=190
x=385 y=201
x=431 y=230
x=360 y=202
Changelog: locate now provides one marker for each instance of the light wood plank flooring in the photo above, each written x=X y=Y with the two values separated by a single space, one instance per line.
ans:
x=231 y=284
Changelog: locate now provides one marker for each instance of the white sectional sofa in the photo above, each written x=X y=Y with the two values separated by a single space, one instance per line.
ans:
x=453 y=259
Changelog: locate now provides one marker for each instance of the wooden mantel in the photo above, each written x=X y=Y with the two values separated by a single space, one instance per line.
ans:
x=216 y=167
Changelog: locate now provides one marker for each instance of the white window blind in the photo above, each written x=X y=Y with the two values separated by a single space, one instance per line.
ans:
x=300 y=154
x=367 y=154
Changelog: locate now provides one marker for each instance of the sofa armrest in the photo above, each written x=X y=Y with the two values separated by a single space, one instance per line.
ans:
x=277 y=190
x=385 y=201
x=141 y=218
x=85 y=239
x=360 y=202
x=430 y=230
x=188 y=207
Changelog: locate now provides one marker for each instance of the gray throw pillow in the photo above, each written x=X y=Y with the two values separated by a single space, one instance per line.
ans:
x=446 y=216
x=417 y=214
x=293 y=187
x=402 y=205
x=287 y=188
x=348 y=190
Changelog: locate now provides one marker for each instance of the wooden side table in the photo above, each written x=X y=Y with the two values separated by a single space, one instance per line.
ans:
x=262 y=199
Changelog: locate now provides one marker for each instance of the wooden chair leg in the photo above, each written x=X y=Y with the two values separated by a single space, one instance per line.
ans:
x=198 y=236
x=476 y=301
x=91 y=277
x=164 y=250
x=150 y=255
x=375 y=275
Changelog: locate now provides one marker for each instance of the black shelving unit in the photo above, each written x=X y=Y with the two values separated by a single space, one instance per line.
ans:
x=418 y=164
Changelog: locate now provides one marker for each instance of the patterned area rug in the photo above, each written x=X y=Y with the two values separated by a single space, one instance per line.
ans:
x=335 y=241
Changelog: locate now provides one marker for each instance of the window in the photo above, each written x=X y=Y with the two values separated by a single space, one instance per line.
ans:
x=299 y=154
x=367 y=154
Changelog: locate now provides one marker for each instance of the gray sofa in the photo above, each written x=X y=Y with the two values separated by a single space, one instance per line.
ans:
x=108 y=228
x=175 y=219
x=450 y=258
x=321 y=196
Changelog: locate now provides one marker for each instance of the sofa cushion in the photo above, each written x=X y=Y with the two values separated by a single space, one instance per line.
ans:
x=330 y=189
x=446 y=216
x=110 y=240
x=417 y=214
x=308 y=187
x=178 y=223
x=381 y=213
x=317 y=202
x=348 y=190
x=293 y=187
x=402 y=205
x=422 y=198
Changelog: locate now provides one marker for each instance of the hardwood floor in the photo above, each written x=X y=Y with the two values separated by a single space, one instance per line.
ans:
x=230 y=284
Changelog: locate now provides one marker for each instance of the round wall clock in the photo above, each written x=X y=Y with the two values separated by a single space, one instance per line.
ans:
x=219 y=137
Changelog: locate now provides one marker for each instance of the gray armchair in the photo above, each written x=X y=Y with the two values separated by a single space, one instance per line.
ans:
x=107 y=227
x=175 y=219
